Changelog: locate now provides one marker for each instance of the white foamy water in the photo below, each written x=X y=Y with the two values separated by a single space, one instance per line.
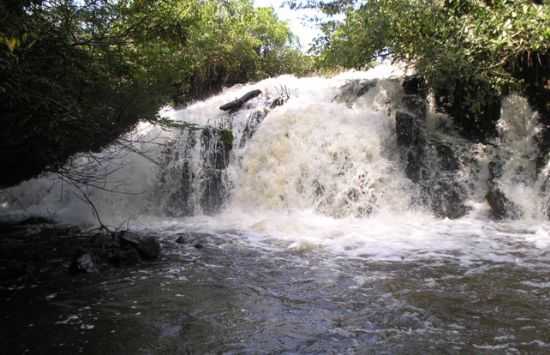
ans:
x=518 y=128
x=322 y=171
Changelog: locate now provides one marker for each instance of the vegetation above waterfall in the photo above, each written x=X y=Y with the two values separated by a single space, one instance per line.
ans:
x=469 y=51
x=75 y=75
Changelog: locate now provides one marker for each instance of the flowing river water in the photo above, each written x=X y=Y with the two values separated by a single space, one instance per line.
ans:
x=294 y=226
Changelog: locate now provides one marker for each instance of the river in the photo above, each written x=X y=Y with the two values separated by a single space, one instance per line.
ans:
x=303 y=230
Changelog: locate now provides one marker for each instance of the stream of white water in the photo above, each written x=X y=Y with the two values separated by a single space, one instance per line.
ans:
x=322 y=170
x=315 y=238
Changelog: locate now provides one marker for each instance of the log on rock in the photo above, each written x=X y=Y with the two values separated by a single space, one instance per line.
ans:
x=238 y=103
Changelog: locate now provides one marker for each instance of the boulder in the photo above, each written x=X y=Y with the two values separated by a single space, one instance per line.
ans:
x=431 y=163
x=447 y=199
x=414 y=85
x=414 y=100
x=415 y=105
x=198 y=246
x=446 y=157
x=279 y=101
x=148 y=247
x=252 y=124
x=83 y=263
x=407 y=129
x=501 y=206
x=354 y=89
x=216 y=145
x=125 y=257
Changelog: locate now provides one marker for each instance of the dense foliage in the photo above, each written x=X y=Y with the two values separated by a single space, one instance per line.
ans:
x=469 y=51
x=75 y=74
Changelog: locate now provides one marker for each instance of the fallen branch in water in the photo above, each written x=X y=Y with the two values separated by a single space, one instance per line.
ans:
x=238 y=103
x=85 y=198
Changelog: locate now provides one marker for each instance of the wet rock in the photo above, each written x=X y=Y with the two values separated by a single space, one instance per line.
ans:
x=431 y=163
x=535 y=73
x=216 y=145
x=414 y=85
x=36 y=220
x=318 y=189
x=148 y=247
x=447 y=200
x=13 y=270
x=213 y=191
x=354 y=89
x=495 y=169
x=180 y=202
x=187 y=178
x=407 y=129
x=501 y=206
x=252 y=124
x=125 y=257
x=279 y=101
x=415 y=168
x=447 y=159
x=543 y=142
x=83 y=263
x=181 y=240
x=414 y=100
x=412 y=142
x=414 y=104
x=215 y=154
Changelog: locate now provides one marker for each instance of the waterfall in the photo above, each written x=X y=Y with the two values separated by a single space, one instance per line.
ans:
x=357 y=145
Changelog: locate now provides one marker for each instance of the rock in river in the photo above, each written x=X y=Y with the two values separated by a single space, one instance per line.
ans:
x=148 y=247
x=83 y=263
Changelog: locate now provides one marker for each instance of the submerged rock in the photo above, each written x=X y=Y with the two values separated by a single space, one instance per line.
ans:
x=181 y=240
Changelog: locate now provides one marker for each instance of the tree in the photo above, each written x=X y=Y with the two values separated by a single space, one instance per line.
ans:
x=469 y=51
x=76 y=74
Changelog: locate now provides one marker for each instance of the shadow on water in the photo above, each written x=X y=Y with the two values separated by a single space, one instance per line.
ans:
x=215 y=294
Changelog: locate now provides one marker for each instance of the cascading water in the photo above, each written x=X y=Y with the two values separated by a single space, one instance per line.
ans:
x=360 y=149
x=326 y=215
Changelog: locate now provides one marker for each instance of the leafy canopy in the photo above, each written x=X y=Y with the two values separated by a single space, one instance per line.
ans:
x=469 y=51
x=75 y=74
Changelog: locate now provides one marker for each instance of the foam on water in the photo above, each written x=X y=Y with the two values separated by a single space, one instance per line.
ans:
x=319 y=172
